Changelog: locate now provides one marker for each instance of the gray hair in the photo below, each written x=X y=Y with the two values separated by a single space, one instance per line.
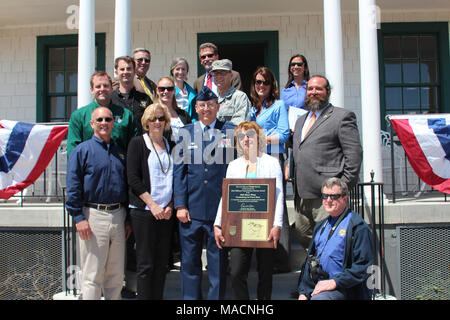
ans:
x=331 y=182
x=141 y=49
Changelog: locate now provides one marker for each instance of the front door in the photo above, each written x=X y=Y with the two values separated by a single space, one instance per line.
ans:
x=247 y=51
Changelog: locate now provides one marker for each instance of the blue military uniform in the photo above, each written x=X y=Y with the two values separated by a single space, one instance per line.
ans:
x=198 y=186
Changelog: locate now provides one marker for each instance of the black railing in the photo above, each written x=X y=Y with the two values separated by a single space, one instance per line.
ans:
x=69 y=256
x=371 y=201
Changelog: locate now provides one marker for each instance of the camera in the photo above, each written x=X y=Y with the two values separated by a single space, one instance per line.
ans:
x=315 y=270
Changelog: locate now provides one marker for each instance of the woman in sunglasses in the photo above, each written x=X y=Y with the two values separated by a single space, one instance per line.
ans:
x=294 y=92
x=271 y=114
x=268 y=111
x=150 y=185
x=253 y=163
x=165 y=90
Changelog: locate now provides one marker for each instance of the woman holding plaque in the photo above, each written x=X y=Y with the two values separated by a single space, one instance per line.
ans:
x=253 y=163
x=150 y=180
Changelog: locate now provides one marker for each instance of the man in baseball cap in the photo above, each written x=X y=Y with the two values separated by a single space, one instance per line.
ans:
x=234 y=104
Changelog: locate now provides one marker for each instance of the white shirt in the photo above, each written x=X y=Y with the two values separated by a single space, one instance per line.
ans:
x=213 y=85
x=175 y=124
x=266 y=167
x=182 y=99
x=161 y=183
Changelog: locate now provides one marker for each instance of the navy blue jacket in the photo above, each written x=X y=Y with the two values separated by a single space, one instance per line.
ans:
x=95 y=173
x=358 y=253
x=197 y=184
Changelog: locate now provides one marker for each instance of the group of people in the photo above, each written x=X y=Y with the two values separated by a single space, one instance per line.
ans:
x=148 y=159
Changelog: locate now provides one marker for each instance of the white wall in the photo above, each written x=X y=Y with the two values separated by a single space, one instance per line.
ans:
x=169 y=38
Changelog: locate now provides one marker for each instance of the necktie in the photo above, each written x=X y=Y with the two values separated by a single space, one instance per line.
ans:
x=206 y=136
x=209 y=81
x=146 y=89
x=310 y=124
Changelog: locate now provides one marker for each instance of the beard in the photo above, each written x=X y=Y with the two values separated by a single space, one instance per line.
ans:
x=315 y=103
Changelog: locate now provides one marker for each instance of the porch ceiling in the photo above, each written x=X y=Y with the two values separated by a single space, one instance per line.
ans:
x=43 y=12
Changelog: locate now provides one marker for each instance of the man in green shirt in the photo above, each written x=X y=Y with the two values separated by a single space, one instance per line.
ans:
x=79 y=128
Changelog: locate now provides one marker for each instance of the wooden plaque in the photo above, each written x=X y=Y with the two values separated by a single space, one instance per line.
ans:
x=248 y=208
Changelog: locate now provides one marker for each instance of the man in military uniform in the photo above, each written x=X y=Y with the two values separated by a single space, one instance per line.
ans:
x=201 y=158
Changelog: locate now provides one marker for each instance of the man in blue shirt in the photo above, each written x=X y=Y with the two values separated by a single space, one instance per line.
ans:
x=96 y=194
x=340 y=252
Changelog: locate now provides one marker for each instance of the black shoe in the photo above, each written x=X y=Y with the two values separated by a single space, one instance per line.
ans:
x=127 y=294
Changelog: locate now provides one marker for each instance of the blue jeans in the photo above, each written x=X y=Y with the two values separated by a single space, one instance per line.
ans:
x=329 y=295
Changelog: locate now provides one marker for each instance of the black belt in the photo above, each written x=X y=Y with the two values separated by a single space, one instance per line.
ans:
x=104 y=207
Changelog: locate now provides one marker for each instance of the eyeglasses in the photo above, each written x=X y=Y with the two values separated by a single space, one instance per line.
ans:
x=160 y=119
x=298 y=64
x=210 y=55
x=145 y=60
x=206 y=106
x=107 y=119
x=169 y=89
x=264 y=82
x=249 y=133
x=332 y=196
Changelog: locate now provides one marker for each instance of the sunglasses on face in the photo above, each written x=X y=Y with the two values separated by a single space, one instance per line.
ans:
x=169 y=89
x=250 y=134
x=293 y=64
x=107 y=119
x=210 y=55
x=160 y=119
x=332 y=196
x=264 y=82
x=145 y=60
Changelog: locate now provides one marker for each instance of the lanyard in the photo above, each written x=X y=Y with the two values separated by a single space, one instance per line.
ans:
x=335 y=225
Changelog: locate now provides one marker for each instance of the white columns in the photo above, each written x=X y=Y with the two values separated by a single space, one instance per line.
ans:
x=334 y=61
x=122 y=28
x=370 y=95
x=86 y=50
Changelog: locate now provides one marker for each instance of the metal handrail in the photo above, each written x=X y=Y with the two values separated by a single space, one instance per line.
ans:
x=359 y=202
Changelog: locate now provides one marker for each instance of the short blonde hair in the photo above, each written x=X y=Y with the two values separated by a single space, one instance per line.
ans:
x=149 y=114
x=248 y=125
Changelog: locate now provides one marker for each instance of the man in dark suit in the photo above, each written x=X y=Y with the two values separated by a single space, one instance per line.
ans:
x=325 y=144
x=201 y=158
x=208 y=53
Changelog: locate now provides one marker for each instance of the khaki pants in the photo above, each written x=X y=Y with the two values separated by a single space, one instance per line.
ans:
x=103 y=256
